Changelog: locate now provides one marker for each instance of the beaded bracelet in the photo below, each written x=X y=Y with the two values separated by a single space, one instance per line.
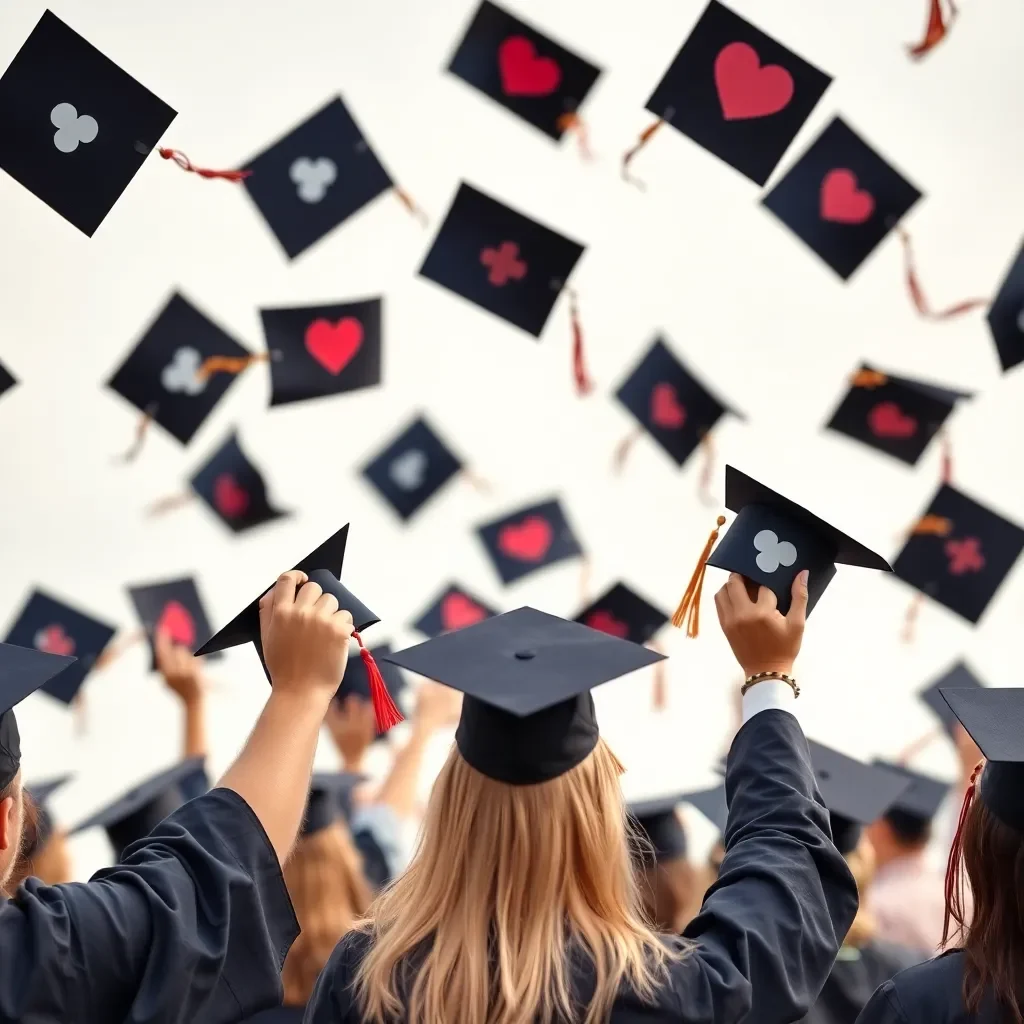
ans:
x=760 y=677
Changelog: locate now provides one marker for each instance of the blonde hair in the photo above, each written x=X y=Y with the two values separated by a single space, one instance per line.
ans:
x=329 y=892
x=505 y=882
x=862 y=866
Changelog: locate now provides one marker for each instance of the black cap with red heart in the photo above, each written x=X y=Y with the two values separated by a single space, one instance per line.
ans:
x=622 y=612
x=530 y=539
x=175 y=608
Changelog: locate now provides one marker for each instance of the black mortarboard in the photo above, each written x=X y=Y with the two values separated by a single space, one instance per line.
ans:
x=963 y=564
x=528 y=715
x=7 y=380
x=412 y=468
x=1006 y=315
x=323 y=350
x=75 y=127
x=330 y=799
x=772 y=539
x=921 y=800
x=54 y=627
x=23 y=670
x=235 y=489
x=994 y=718
x=712 y=804
x=501 y=260
x=174 y=607
x=841 y=198
x=161 y=376
x=39 y=793
x=135 y=814
x=738 y=93
x=356 y=680
x=894 y=415
x=529 y=539
x=959 y=677
x=42 y=791
x=456 y=608
x=314 y=178
x=855 y=793
x=659 y=824
x=623 y=613
x=670 y=403
x=525 y=71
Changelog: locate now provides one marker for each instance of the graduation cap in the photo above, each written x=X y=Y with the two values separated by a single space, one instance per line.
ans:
x=412 y=468
x=7 y=380
x=528 y=715
x=532 y=538
x=770 y=541
x=622 y=612
x=456 y=608
x=135 y=814
x=994 y=718
x=323 y=566
x=659 y=824
x=712 y=804
x=173 y=607
x=169 y=376
x=915 y=807
x=76 y=127
x=737 y=92
x=356 y=680
x=523 y=70
x=55 y=627
x=670 y=403
x=894 y=415
x=40 y=792
x=1006 y=315
x=234 y=488
x=959 y=677
x=964 y=554
x=323 y=350
x=330 y=799
x=856 y=794
x=841 y=198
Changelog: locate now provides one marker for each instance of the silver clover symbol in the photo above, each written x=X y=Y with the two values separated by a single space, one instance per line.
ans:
x=72 y=129
x=773 y=552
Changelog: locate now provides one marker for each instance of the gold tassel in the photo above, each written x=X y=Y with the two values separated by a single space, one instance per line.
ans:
x=689 y=607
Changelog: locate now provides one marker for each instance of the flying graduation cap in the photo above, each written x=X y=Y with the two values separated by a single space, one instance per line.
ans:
x=323 y=566
x=330 y=800
x=913 y=810
x=958 y=677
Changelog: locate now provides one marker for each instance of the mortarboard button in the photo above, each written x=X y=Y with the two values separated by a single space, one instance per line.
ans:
x=523 y=70
x=456 y=608
x=960 y=553
x=525 y=721
x=623 y=613
x=738 y=93
x=54 y=627
x=923 y=797
x=412 y=468
x=530 y=539
x=959 y=677
x=330 y=800
x=315 y=177
x=75 y=127
x=1006 y=315
x=175 y=608
x=841 y=198
x=894 y=415
x=323 y=350
x=7 y=380
x=168 y=377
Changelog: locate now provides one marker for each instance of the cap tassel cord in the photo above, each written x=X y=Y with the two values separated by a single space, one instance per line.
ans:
x=229 y=364
x=385 y=710
x=868 y=379
x=584 y=385
x=170 y=504
x=141 y=430
x=204 y=172
x=937 y=30
x=627 y=158
x=946 y=475
x=659 y=688
x=707 y=469
x=909 y=632
x=476 y=481
x=411 y=205
x=917 y=295
x=689 y=607
x=572 y=122
x=623 y=448
x=584 y=581
x=954 y=888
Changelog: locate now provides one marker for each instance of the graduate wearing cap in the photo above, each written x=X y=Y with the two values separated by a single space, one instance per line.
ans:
x=980 y=980
x=195 y=921
x=524 y=856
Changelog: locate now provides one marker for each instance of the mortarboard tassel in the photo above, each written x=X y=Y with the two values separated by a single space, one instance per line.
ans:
x=385 y=710
x=410 y=204
x=707 y=469
x=476 y=481
x=689 y=607
x=868 y=379
x=917 y=295
x=946 y=475
x=170 y=503
x=574 y=123
x=584 y=385
x=204 y=172
x=936 y=30
x=659 y=688
x=229 y=364
x=623 y=448
x=909 y=633
x=645 y=136
x=141 y=430
x=954 y=888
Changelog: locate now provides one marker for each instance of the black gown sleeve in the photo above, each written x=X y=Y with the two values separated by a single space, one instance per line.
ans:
x=333 y=1001
x=192 y=926
x=883 y=1007
x=770 y=927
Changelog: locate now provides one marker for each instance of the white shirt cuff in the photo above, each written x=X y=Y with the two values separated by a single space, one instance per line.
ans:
x=771 y=693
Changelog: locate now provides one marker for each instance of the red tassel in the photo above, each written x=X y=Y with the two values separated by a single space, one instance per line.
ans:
x=645 y=136
x=917 y=295
x=579 y=370
x=936 y=30
x=204 y=172
x=954 y=866
x=385 y=710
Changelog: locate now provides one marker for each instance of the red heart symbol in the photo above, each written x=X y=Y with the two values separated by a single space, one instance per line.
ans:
x=888 y=420
x=53 y=640
x=842 y=201
x=334 y=346
x=528 y=541
x=457 y=611
x=523 y=73
x=665 y=408
x=230 y=499
x=177 y=623
x=603 y=620
x=745 y=89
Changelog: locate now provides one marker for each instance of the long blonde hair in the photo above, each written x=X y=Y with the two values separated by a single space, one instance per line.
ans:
x=862 y=866
x=506 y=880
x=329 y=892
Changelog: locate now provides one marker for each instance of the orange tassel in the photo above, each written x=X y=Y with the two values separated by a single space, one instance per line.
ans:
x=584 y=385
x=623 y=448
x=954 y=888
x=689 y=607
x=868 y=379
x=229 y=364
x=932 y=526
x=574 y=123
x=204 y=172
x=936 y=31
x=917 y=295
x=645 y=136
x=410 y=204
x=385 y=710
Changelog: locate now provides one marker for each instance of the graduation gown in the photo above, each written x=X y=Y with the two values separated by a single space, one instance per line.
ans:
x=192 y=927
x=930 y=993
x=770 y=927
